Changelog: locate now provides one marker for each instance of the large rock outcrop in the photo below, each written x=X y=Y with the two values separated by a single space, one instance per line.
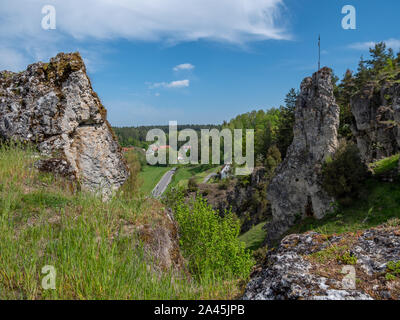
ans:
x=312 y=266
x=376 y=112
x=53 y=106
x=296 y=192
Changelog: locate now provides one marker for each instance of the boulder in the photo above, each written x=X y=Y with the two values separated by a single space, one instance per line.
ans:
x=53 y=106
x=312 y=266
x=296 y=192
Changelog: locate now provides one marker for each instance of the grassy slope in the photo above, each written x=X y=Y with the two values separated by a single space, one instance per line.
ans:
x=43 y=221
x=150 y=176
x=378 y=203
x=254 y=237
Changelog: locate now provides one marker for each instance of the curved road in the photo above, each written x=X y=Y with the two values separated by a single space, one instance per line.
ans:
x=206 y=179
x=163 y=183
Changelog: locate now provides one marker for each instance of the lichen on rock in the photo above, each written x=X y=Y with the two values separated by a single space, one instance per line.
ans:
x=53 y=106
x=296 y=191
x=293 y=272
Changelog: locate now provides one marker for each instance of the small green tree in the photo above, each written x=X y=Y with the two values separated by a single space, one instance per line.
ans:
x=210 y=243
x=344 y=174
x=284 y=135
x=192 y=185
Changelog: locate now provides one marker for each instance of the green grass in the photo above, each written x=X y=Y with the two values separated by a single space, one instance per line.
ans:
x=45 y=221
x=379 y=202
x=150 y=176
x=255 y=237
x=385 y=165
x=184 y=173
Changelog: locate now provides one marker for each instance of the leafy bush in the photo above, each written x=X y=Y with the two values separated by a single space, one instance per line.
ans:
x=393 y=270
x=224 y=184
x=132 y=184
x=192 y=185
x=344 y=174
x=210 y=242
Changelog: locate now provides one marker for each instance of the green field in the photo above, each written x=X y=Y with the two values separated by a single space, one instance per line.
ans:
x=184 y=173
x=150 y=176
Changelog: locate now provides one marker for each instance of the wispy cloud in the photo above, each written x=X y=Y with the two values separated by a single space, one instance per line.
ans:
x=236 y=21
x=390 y=43
x=184 y=66
x=230 y=21
x=173 y=84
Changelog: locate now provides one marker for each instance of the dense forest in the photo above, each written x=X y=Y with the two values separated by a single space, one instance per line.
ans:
x=136 y=136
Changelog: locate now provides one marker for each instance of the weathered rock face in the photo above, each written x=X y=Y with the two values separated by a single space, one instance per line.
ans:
x=310 y=267
x=295 y=192
x=54 y=106
x=377 y=117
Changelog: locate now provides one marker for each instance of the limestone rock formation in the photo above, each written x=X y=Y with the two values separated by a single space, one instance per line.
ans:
x=53 y=106
x=296 y=192
x=312 y=266
x=377 y=119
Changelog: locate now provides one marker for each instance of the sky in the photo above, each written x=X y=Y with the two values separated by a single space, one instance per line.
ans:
x=194 y=61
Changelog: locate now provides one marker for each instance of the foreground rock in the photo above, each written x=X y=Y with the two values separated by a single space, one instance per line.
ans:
x=317 y=267
x=54 y=106
x=159 y=234
x=376 y=112
x=295 y=192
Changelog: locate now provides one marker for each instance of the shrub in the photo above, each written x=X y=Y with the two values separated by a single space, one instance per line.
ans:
x=132 y=184
x=210 y=242
x=344 y=174
x=192 y=185
x=223 y=185
x=272 y=160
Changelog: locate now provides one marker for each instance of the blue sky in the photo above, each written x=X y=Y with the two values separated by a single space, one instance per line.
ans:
x=235 y=55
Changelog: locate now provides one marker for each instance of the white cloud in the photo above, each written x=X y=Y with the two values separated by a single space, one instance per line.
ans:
x=184 y=66
x=235 y=21
x=168 y=21
x=390 y=43
x=172 y=84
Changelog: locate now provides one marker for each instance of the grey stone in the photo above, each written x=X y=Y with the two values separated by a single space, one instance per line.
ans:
x=296 y=192
x=287 y=273
x=377 y=119
x=53 y=106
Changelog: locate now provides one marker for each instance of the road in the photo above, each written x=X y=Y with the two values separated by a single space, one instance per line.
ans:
x=206 y=179
x=163 y=183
